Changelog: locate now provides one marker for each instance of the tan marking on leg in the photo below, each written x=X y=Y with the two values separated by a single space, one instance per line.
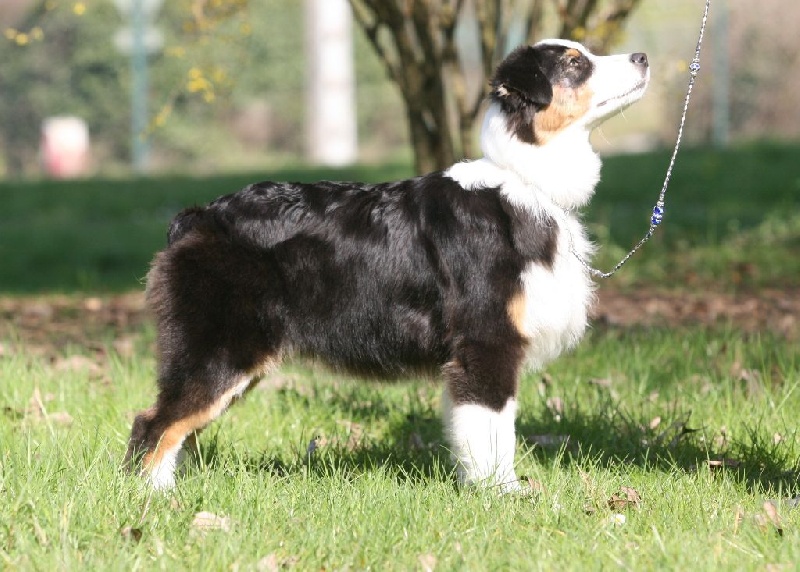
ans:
x=517 y=307
x=176 y=434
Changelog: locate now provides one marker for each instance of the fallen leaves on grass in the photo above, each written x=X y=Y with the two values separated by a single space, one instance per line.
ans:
x=754 y=385
x=767 y=520
x=535 y=486
x=772 y=514
x=721 y=441
x=131 y=534
x=268 y=563
x=315 y=444
x=208 y=521
x=77 y=363
x=125 y=346
x=272 y=563
x=46 y=325
x=427 y=562
x=676 y=431
x=41 y=535
x=355 y=433
x=717 y=464
x=13 y=413
x=738 y=519
x=60 y=418
x=627 y=497
x=723 y=463
x=37 y=411
x=604 y=382
x=556 y=406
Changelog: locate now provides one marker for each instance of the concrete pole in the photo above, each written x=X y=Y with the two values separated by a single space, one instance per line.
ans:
x=721 y=103
x=140 y=88
x=331 y=111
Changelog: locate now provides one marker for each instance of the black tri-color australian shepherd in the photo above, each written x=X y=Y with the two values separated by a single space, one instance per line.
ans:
x=469 y=272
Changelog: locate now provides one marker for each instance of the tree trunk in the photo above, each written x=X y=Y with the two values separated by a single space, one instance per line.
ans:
x=432 y=142
x=416 y=41
x=430 y=126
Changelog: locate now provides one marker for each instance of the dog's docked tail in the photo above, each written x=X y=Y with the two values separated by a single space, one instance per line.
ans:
x=183 y=222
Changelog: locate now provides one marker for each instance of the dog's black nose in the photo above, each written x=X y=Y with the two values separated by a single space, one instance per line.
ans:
x=639 y=58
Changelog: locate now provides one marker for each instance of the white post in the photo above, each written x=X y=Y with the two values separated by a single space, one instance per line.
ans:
x=331 y=115
x=139 y=39
x=720 y=133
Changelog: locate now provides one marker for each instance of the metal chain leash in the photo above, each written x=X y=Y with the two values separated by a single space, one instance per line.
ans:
x=658 y=210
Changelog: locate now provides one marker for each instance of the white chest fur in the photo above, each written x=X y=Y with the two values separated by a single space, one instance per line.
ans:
x=557 y=299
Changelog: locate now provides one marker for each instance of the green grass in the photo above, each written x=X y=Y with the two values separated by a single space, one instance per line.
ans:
x=655 y=410
x=370 y=497
x=732 y=218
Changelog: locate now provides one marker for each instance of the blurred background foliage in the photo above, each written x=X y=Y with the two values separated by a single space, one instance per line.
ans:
x=225 y=94
x=227 y=90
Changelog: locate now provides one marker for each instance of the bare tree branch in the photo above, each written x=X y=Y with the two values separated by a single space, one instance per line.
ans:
x=422 y=47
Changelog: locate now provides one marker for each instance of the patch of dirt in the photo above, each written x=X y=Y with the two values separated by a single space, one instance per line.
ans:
x=773 y=310
x=47 y=325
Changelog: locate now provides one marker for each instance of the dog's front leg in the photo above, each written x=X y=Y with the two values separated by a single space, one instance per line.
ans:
x=479 y=410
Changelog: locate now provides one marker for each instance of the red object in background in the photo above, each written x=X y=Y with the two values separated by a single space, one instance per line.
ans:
x=65 y=147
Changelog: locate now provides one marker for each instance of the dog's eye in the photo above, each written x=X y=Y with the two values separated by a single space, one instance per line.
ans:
x=574 y=61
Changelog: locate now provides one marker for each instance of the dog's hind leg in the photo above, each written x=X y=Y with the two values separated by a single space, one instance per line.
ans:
x=212 y=344
x=158 y=434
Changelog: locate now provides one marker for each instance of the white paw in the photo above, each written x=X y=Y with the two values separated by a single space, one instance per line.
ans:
x=162 y=475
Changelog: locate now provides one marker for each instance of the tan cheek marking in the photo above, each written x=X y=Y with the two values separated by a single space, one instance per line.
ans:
x=516 y=312
x=567 y=106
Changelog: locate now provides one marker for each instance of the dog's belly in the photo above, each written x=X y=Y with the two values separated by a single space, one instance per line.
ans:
x=380 y=339
x=557 y=300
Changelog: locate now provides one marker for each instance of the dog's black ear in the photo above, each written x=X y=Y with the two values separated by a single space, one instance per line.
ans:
x=520 y=82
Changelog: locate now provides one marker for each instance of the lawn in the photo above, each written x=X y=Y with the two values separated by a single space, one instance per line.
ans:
x=649 y=447
x=645 y=449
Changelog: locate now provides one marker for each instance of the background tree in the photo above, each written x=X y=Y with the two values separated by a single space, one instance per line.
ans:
x=425 y=48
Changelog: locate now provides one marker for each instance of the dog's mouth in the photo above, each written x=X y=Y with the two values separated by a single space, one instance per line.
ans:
x=634 y=90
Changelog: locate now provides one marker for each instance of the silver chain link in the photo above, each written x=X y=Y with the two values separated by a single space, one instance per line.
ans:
x=658 y=210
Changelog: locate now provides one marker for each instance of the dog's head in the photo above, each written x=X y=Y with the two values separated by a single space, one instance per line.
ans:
x=544 y=102
x=544 y=89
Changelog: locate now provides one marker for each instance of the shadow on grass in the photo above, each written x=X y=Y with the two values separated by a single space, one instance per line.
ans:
x=608 y=437
x=414 y=454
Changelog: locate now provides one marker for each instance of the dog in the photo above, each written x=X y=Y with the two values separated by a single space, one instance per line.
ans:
x=468 y=272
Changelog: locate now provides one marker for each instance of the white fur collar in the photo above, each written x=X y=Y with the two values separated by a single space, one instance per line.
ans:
x=565 y=170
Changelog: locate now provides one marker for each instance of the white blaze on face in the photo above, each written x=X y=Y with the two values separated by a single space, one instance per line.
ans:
x=616 y=83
